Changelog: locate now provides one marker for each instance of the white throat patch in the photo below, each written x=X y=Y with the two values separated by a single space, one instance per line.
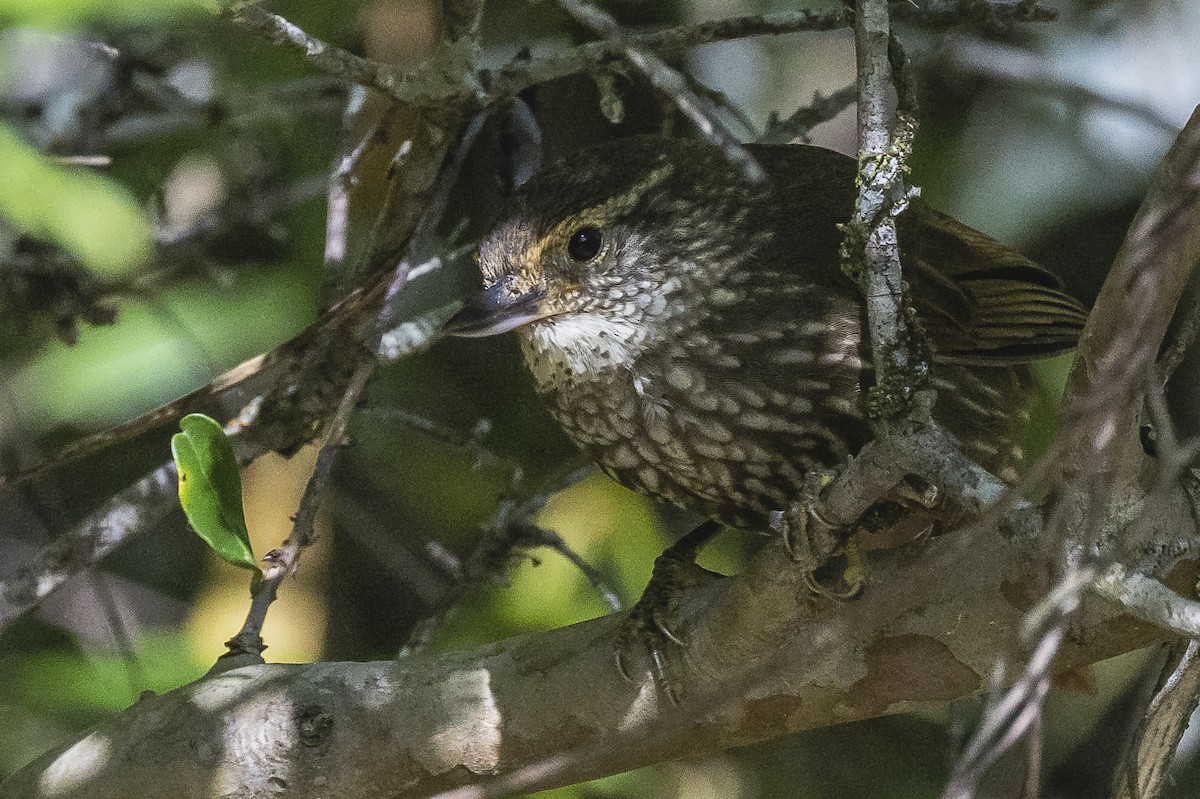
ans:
x=579 y=344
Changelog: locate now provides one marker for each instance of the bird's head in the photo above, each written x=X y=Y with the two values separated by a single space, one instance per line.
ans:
x=597 y=254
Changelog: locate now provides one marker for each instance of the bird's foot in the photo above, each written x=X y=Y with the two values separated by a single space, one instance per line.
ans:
x=829 y=553
x=830 y=559
x=842 y=577
x=648 y=633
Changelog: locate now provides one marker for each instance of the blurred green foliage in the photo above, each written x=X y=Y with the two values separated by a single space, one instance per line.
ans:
x=69 y=14
x=163 y=347
x=93 y=218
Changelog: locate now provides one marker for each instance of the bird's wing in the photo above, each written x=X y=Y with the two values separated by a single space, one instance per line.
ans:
x=981 y=302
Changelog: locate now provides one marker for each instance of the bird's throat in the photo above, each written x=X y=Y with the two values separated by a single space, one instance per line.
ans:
x=579 y=347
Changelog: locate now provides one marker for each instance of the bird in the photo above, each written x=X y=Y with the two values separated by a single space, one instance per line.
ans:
x=694 y=333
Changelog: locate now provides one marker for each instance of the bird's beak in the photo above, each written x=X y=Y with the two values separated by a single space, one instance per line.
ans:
x=494 y=311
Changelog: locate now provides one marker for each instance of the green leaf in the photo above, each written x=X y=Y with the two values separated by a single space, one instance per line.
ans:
x=210 y=488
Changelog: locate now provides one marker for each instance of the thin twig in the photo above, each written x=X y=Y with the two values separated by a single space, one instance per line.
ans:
x=1012 y=712
x=433 y=83
x=540 y=536
x=326 y=57
x=997 y=15
x=900 y=359
x=471 y=441
x=508 y=529
x=84 y=160
x=247 y=646
x=337 y=211
x=523 y=73
x=721 y=101
x=669 y=82
x=799 y=125
x=126 y=515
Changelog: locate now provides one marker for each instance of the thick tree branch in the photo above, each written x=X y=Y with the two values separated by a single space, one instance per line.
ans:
x=1142 y=289
x=1149 y=600
x=763 y=659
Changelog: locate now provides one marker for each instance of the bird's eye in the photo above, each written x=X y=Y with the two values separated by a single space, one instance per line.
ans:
x=584 y=244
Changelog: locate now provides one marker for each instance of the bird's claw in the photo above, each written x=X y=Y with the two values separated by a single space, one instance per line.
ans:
x=809 y=537
x=644 y=633
x=642 y=629
x=813 y=540
x=853 y=576
x=648 y=631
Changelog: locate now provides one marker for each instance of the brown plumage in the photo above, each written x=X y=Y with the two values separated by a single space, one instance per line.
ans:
x=696 y=335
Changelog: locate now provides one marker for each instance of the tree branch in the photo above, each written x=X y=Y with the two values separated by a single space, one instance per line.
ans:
x=126 y=515
x=671 y=84
x=1097 y=457
x=1143 y=773
x=1142 y=289
x=435 y=81
x=519 y=75
x=246 y=646
x=328 y=58
x=1149 y=600
x=901 y=368
x=764 y=659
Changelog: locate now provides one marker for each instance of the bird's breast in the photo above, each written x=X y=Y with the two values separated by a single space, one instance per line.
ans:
x=706 y=426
